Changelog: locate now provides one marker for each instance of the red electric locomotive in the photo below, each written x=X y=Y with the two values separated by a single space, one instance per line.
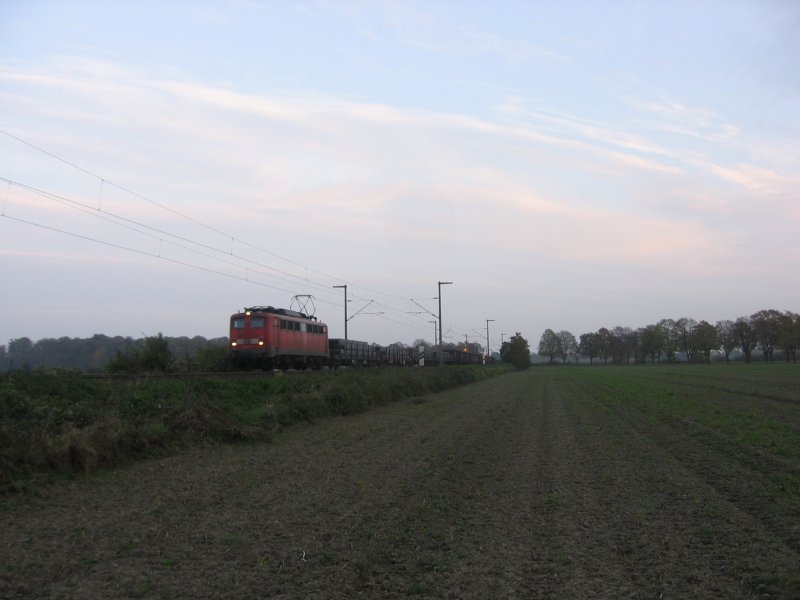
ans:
x=277 y=338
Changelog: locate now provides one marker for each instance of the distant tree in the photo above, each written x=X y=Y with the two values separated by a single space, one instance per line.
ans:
x=549 y=344
x=567 y=346
x=727 y=339
x=20 y=346
x=635 y=344
x=684 y=327
x=153 y=355
x=653 y=340
x=745 y=336
x=156 y=355
x=603 y=341
x=621 y=345
x=672 y=338
x=703 y=340
x=789 y=337
x=516 y=351
x=19 y=353
x=587 y=346
x=767 y=330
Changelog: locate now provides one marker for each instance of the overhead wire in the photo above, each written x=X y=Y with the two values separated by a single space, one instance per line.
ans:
x=159 y=204
x=103 y=181
x=142 y=252
x=132 y=225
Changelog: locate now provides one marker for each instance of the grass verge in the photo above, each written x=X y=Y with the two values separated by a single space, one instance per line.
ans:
x=64 y=423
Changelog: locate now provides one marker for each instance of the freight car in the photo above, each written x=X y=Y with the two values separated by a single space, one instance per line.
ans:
x=455 y=355
x=355 y=353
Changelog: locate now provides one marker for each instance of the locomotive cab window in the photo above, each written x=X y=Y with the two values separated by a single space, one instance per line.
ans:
x=290 y=325
x=257 y=322
x=238 y=323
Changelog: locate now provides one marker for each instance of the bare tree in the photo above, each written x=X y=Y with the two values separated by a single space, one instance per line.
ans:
x=587 y=346
x=549 y=344
x=767 y=330
x=704 y=340
x=684 y=327
x=744 y=336
x=653 y=339
x=604 y=343
x=726 y=337
x=621 y=345
x=671 y=331
x=790 y=335
x=567 y=345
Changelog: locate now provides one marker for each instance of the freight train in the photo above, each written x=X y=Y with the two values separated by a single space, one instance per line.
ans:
x=278 y=338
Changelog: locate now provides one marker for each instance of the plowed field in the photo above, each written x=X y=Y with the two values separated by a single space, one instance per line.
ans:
x=630 y=482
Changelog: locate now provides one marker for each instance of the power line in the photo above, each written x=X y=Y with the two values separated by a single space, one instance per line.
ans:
x=103 y=181
x=91 y=210
x=142 y=252
x=132 y=225
x=182 y=263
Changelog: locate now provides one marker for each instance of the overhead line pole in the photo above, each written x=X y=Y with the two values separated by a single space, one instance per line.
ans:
x=488 y=351
x=345 y=309
x=441 y=345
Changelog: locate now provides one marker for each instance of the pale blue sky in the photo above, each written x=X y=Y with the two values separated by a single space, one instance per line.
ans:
x=569 y=165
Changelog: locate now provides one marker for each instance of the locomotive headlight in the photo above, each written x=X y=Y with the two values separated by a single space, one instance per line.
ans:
x=260 y=341
x=248 y=313
x=233 y=343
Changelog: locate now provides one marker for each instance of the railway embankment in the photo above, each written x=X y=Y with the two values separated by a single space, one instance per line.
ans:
x=55 y=424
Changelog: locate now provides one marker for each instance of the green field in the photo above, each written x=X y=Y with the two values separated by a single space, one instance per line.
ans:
x=749 y=413
x=566 y=482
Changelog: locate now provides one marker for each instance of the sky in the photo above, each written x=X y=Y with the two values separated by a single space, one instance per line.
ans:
x=566 y=165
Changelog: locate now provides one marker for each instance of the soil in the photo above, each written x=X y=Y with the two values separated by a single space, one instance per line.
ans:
x=511 y=488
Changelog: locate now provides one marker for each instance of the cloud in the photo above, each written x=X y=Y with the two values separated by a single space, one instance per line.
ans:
x=345 y=183
x=696 y=122
x=757 y=179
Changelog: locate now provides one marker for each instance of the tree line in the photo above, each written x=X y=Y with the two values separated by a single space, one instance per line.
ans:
x=101 y=351
x=768 y=331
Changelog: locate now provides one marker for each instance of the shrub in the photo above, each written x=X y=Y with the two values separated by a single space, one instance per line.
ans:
x=154 y=355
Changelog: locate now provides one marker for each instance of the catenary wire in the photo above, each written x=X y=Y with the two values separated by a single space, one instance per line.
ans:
x=142 y=252
x=135 y=225
x=104 y=181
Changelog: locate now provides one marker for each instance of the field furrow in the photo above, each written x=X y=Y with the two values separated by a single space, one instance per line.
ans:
x=552 y=483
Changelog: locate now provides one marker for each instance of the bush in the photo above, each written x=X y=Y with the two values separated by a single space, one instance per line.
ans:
x=153 y=356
